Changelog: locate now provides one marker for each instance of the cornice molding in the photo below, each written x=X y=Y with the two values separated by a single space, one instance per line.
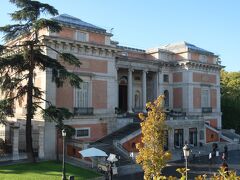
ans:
x=192 y=65
x=81 y=48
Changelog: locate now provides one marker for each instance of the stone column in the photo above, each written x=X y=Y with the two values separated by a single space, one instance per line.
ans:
x=144 y=90
x=160 y=83
x=157 y=84
x=41 y=142
x=218 y=109
x=117 y=88
x=171 y=139
x=185 y=135
x=15 y=150
x=130 y=90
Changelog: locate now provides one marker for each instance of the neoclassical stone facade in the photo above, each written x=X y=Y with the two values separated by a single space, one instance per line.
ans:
x=117 y=83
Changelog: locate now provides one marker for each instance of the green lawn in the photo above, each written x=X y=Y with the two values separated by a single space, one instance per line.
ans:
x=48 y=170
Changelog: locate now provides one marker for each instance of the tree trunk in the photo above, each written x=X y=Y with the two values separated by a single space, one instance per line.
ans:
x=29 y=116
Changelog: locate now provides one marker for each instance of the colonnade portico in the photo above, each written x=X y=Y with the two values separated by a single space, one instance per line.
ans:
x=130 y=90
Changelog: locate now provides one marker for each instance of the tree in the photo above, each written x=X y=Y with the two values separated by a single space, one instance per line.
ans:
x=22 y=55
x=230 y=84
x=230 y=99
x=152 y=155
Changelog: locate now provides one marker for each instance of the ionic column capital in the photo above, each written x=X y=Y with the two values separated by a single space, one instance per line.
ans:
x=130 y=69
x=145 y=70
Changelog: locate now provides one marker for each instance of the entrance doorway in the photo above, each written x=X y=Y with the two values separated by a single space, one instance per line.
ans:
x=122 y=96
x=193 y=136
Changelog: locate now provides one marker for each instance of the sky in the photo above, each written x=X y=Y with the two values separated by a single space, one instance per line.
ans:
x=213 y=25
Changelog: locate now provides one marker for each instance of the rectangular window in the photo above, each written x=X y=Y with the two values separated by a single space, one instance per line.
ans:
x=205 y=101
x=81 y=95
x=193 y=136
x=165 y=78
x=202 y=58
x=82 y=133
x=178 y=138
x=81 y=36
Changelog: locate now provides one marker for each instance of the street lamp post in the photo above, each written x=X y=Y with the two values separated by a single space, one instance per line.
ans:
x=132 y=157
x=186 y=151
x=63 y=166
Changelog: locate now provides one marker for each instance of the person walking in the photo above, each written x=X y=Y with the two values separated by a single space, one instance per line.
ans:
x=225 y=154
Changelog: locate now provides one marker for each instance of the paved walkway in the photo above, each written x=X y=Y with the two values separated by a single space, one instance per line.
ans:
x=198 y=166
x=233 y=160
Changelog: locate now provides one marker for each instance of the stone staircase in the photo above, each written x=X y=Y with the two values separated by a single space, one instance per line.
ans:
x=231 y=135
x=228 y=135
x=110 y=144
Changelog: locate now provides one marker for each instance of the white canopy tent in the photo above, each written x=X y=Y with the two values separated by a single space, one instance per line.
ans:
x=93 y=152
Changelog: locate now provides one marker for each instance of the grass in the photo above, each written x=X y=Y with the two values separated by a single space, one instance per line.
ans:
x=48 y=170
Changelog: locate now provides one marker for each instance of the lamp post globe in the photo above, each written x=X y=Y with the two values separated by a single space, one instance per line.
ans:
x=63 y=166
x=64 y=133
x=186 y=153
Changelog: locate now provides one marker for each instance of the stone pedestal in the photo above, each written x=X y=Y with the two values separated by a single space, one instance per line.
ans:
x=41 y=142
x=15 y=141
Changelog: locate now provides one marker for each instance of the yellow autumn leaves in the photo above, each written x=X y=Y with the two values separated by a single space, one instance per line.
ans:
x=151 y=155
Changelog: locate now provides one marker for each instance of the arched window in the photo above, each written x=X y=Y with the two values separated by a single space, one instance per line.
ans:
x=166 y=98
x=123 y=80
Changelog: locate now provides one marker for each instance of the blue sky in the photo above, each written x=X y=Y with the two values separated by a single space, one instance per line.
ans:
x=210 y=24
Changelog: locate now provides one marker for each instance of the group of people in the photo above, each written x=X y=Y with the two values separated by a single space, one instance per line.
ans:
x=224 y=157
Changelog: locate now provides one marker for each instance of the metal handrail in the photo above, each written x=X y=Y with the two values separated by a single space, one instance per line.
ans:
x=82 y=111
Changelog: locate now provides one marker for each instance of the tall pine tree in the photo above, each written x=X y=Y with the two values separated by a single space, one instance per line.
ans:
x=22 y=55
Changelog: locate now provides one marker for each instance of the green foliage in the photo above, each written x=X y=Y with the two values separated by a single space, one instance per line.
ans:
x=29 y=18
x=230 y=84
x=58 y=115
x=151 y=155
x=230 y=99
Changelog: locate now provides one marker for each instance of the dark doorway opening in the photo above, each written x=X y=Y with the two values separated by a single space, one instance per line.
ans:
x=123 y=94
x=122 y=98
x=193 y=136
